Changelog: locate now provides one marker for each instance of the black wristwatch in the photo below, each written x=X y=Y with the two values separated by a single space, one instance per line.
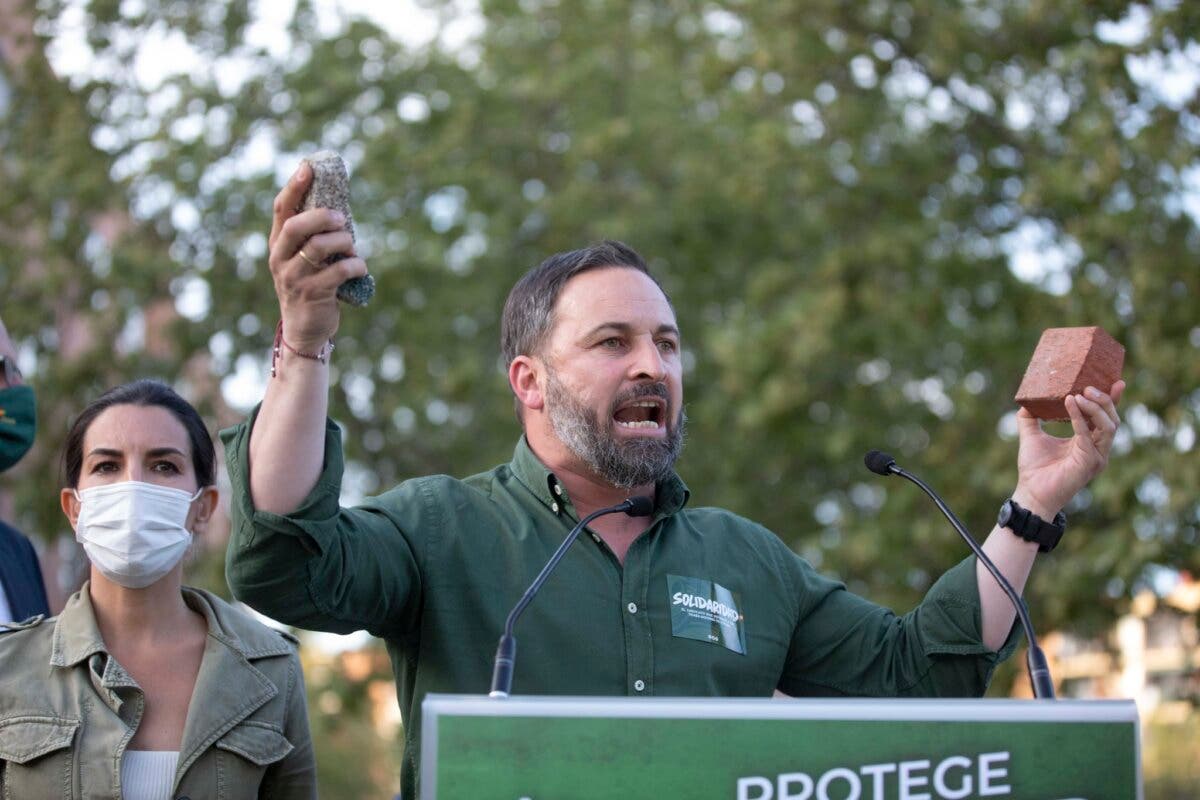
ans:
x=1030 y=527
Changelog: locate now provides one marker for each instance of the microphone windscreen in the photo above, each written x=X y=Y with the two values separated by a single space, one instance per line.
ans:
x=878 y=462
x=640 y=506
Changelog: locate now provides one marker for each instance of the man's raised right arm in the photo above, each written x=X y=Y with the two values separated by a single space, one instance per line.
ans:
x=287 y=443
x=294 y=553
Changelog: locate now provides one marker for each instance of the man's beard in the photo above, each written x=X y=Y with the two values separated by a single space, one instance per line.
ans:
x=623 y=464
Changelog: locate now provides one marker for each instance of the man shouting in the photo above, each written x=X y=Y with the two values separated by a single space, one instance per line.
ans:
x=433 y=565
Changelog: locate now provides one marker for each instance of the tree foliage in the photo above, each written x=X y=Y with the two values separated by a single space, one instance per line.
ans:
x=843 y=200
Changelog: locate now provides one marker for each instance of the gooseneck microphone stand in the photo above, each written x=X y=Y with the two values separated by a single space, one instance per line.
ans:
x=1035 y=659
x=506 y=651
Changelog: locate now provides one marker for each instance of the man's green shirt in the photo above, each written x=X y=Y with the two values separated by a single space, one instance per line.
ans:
x=707 y=603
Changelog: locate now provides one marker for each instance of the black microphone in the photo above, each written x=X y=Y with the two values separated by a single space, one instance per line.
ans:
x=506 y=651
x=1035 y=659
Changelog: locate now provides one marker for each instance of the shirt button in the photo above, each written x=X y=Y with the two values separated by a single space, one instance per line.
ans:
x=558 y=490
x=554 y=507
x=639 y=685
x=632 y=608
x=595 y=538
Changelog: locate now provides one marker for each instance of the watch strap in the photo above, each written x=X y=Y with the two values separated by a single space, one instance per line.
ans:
x=1032 y=528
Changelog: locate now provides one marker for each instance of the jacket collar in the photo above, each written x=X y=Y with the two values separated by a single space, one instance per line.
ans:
x=670 y=494
x=231 y=686
x=77 y=636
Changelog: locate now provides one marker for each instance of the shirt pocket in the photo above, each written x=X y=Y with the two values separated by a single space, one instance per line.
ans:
x=36 y=758
x=245 y=753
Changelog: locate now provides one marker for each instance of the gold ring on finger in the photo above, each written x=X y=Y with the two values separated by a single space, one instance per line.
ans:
x=304 y=255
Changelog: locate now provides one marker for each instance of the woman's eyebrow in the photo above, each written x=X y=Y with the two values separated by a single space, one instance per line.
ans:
x=157 y=451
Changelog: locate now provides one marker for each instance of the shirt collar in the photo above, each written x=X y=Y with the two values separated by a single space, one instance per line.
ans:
x=670 y=494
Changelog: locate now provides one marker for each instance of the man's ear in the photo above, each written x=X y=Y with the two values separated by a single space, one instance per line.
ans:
x=524 y=376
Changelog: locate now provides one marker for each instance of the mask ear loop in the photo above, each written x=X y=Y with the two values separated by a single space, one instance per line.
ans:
x=191 y=500
x=190 y=555
x=78 y=499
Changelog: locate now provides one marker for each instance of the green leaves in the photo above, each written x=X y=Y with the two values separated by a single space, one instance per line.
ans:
x=832 y=193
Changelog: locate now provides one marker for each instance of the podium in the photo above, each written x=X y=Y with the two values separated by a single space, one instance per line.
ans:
x=554 y=748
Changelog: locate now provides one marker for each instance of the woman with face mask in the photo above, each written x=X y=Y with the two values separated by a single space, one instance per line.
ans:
x=145 y=689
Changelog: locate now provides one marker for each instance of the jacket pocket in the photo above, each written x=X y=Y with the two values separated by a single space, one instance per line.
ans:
x=243 y=757
x=257 y=742
x=37 y=755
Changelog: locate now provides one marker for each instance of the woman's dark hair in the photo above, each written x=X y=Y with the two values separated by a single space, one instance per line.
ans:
x=142 y=393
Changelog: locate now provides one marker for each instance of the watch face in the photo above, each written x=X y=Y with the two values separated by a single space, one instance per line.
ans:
x=1005 y=514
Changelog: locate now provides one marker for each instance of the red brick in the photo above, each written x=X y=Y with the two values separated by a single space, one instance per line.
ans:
x=1066 y=361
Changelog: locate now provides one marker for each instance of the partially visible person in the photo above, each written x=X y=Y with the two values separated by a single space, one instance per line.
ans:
x=143 y=688
x=22 y=592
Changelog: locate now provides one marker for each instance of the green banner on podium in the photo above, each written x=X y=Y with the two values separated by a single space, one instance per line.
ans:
x=553 y=748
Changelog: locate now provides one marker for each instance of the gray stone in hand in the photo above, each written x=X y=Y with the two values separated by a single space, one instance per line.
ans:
x=331 y=189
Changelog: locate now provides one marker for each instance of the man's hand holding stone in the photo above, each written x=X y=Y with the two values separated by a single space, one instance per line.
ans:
x=306 y=286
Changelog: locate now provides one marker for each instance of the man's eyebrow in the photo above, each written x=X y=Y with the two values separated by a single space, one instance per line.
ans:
x=625 y=327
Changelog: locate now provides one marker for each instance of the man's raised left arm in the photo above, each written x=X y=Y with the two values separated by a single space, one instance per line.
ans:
x=1050 y=470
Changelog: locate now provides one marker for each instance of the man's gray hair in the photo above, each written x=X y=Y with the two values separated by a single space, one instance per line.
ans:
x=529 y=310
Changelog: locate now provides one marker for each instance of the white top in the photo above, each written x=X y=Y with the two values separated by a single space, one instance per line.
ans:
x=148 y=774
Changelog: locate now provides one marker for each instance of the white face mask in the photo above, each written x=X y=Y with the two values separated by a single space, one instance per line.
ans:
x=132 y=531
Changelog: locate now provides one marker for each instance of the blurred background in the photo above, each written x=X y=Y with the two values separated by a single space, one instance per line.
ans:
x=865 y=213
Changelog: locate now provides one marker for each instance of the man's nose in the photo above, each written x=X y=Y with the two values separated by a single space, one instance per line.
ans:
x=648 y=361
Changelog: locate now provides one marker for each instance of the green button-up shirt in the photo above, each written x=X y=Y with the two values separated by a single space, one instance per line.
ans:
x=434 y=566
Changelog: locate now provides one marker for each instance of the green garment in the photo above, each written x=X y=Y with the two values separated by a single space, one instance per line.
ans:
x=434 y=566
x=68 y=710
x=18 y=424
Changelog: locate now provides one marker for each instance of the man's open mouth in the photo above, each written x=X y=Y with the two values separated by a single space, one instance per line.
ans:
x=644 y=413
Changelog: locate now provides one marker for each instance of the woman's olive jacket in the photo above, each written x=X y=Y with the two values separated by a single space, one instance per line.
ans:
x=68 y=710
